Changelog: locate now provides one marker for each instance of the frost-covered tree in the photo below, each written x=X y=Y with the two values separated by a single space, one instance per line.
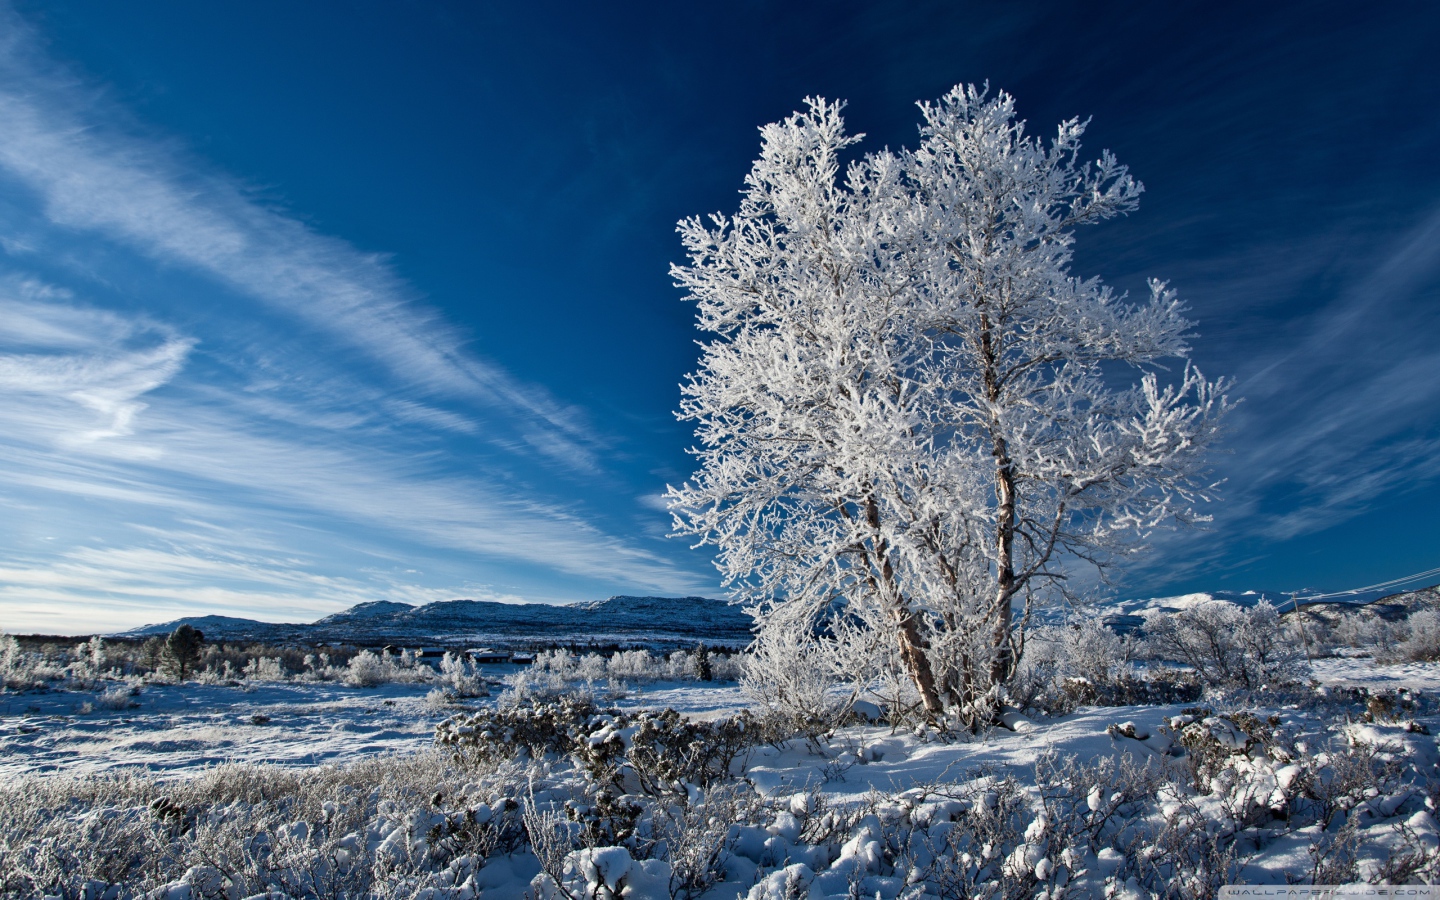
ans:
x=910 y=407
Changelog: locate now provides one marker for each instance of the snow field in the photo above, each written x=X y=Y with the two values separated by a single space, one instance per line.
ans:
x=306 y=788
x=1106 y=802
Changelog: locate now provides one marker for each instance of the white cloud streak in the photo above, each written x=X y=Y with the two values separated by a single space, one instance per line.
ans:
x=82 y=362
x=115 y=426
x=1346 y=414
x=135 y=191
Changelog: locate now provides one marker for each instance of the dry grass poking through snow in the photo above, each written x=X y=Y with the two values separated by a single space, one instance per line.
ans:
x=365 y=829
x=1165 y=802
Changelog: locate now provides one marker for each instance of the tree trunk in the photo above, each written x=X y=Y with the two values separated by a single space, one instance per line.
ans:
x=912 y=652
x=1002 y=663
x=907 y=626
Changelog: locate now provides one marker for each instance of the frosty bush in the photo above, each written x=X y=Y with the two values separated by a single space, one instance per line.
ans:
x=1421 y=642
x=1084 y=663
x=369 y=669
x=650 y=752
x=1084 y=648
x=504 y=733
x=790 y=674
x=559 y=672
x=553 y=675
x=90 y=660
x=366 y=669
x=264 y=668
x=663 y=753
x=118 y=698
x=1372 y=633
x=16 y=673
x=462 y=678
x=371 y=829
x=1228 y=646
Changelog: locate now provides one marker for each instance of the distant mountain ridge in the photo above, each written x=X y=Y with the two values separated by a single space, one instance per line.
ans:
x=675 y=621
x=1130 y=615
x=620 y=619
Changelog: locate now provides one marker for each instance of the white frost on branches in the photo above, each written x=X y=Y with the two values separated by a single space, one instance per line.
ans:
x=911 y=413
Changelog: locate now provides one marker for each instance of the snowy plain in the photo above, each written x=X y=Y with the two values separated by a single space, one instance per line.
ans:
x=176 y=729
x=910 y=779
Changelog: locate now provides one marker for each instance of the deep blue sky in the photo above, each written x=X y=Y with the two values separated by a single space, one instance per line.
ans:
x=308 y=304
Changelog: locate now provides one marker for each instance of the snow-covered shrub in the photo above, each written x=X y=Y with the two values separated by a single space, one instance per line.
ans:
x=30 y=668
x=727 y=666
x=1084 y=663
x=89 y=661
x=1083 y=648
x=265 y=668
x=791 y=675
x=664 y=752
x=1228 y=646
x=1368 y=633
x=366 y=669
x=505 y=732
x=1212 y=743
x=651 y=752
x=631 y=665
x=697 y=835
x=590 y=668
x=1344 y=778
x=462 y=678
x=557 y=673
x=386 y=827
x=369 y=669
x=552 y=676
x=1421 y=641
x=609 y=873
x=117 y=698
x=15 y=671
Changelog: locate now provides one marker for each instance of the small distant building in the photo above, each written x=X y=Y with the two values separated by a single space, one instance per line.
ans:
x=431 y=653
x=522 y=659
x=484 y=656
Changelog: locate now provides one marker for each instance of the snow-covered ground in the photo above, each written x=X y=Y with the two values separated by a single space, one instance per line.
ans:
x=179 y=727
x=1362 y=671
x=175 y=728
x=895 y=799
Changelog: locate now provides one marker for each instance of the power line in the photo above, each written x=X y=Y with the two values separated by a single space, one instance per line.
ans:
x=1394 y=582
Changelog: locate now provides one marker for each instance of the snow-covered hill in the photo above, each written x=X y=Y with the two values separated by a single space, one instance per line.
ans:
x=1128 y=615
x=673 y=620
x=209 y=626
x=658 y=620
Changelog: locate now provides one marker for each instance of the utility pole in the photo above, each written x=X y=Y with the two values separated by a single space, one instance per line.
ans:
x=1300 y=621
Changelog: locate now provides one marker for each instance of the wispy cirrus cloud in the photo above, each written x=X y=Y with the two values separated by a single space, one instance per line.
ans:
x=56 y=140
x=187 y=573
x=1344 y=410
x=305 y=397
x=1339 y=410
x=94 y=361
x=70 y=429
